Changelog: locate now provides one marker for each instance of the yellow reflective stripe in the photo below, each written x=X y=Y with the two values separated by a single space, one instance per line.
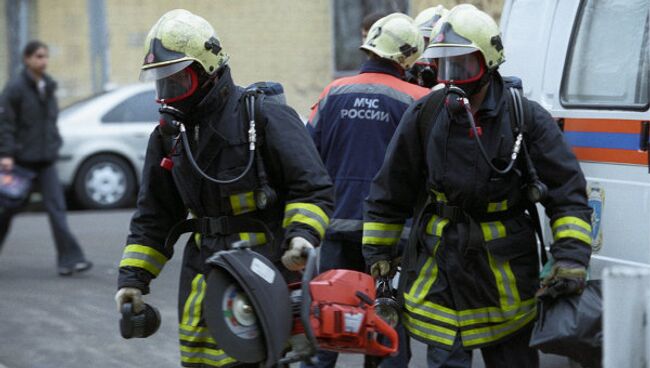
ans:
x=439 y=196
x=505 y=281
x=243 y=203
x=464 y=318
x=436 y=225
x=141 y=256
x=207 y=356
x=498 y=206
x=308 y=214
x=572 y=227
x=197 y=239
x=490 y=334
x=379 y=233
x=192 y=308
x=493 y=230
x=253 y=238
x=429 y=331
x=195 y=334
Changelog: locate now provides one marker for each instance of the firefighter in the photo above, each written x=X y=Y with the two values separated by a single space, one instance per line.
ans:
x=470 y=272
x=286 y=192
x=351 y=125
x=423 y=72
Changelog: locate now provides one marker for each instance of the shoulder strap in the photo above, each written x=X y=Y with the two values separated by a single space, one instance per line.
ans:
x=517 y=126
x=429 y=109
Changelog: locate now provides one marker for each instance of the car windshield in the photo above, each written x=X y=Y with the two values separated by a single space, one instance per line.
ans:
x=76 y=106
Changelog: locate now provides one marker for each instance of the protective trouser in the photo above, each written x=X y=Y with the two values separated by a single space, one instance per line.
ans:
x=47 y=182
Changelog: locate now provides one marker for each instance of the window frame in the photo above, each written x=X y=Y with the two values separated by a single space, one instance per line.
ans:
x=568 y=61
x=103 y=120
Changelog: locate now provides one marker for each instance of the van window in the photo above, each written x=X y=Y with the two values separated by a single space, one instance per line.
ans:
x=609 y=61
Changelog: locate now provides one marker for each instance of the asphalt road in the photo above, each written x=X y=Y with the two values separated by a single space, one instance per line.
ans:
x=47 y=321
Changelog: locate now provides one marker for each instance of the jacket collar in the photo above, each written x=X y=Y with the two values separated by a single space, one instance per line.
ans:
x=218 y=96
x=383 y=67
x=28 y=77
x=493 y=102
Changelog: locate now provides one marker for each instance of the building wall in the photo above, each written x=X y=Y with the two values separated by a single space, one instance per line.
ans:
x=64 y=28
x=282 y=40
x=4 y=51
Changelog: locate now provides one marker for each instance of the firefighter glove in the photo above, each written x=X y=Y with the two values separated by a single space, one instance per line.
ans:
x=566 y=278
x=129 y=294
x=380 y=269
x=295 y=257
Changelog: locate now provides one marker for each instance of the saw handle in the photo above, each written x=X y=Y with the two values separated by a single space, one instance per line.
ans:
x=375 y=347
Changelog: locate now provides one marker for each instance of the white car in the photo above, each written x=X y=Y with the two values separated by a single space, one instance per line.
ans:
x=104 y=144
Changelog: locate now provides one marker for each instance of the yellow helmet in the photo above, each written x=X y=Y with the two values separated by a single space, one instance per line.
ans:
x=395 y=37
x=178 y=39
x=465 y=30
x=428 y=17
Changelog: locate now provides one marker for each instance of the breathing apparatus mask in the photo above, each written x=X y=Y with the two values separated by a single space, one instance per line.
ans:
x=386 y=305
x=458 y=105
x=185 y=89
x=143 y=324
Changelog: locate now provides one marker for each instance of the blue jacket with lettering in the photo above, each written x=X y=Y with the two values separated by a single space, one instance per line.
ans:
x=352 y=124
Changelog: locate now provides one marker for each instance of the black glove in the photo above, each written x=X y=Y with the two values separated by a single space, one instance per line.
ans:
x=566 y=278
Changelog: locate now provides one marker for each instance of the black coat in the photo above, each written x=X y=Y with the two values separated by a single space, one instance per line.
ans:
x=28 y=130
x=294 y=168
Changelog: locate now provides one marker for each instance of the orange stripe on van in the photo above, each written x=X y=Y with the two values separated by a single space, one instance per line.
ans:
x=611 y=155
x=602 y=125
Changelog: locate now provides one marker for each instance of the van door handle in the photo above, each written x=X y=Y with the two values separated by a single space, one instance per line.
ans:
x=644 y=140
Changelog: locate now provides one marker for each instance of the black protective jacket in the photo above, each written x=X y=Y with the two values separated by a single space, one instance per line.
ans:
x=472 y=265
x=166 y=197
x=28 y=130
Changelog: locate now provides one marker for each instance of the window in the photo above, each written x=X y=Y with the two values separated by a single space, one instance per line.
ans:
x=139 y=108
x=608 y=65
x=348 y=15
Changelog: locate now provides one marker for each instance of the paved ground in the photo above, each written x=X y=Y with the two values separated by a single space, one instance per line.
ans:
x=51 y=322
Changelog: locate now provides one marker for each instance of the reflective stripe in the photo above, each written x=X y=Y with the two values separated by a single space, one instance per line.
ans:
x=436 y=225
x=429 y=331
x=192 y=308
x=493 y=230
x=438 y=313
x=308 y=214
x=142 y=256
x=572 y=227
x=375 y=88
x=439 y=196
x=197 y=239
x=242 y=203
x=345 y=225
x=505 y=281
x=206 y=356
x=378 y=233
x=498 y=206
x=253 y=238
x=489 y=334
x=195 y=334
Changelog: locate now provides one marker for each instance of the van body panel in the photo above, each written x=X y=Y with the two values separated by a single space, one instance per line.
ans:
x=539 y=38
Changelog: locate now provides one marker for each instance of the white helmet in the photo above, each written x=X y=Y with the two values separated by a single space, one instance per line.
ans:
x=395 y=37
x=428 y=17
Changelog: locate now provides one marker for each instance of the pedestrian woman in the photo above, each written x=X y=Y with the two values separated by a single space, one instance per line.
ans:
x=29 y=138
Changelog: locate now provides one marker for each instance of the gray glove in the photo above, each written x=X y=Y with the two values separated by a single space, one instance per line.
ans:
x=128 y=294
x=293 y=258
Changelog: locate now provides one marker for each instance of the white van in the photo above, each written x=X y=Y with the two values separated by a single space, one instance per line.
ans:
x=588 y=63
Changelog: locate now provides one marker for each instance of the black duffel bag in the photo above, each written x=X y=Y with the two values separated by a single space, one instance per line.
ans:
x=15 y=186
x=572 y=326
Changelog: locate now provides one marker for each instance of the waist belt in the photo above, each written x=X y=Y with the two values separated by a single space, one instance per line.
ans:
x=214 y=226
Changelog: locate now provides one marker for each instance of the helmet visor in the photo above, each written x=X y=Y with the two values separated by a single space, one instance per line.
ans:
x=460 y=69
x=156 y=73
x=177 y=86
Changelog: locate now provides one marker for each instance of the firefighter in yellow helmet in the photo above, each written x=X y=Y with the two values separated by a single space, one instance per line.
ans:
x=278 y=200
x=471 y=167
x=423 y=72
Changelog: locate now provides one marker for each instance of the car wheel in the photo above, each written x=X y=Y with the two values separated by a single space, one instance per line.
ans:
x=104 y=181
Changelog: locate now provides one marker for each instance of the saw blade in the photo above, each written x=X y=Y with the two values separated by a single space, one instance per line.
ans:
x=232 y=320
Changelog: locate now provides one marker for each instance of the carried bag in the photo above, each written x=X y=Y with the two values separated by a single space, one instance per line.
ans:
x=15 y=186
x=572 y=326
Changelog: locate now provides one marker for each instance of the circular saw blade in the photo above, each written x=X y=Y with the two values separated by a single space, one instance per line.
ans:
x=231 y=319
